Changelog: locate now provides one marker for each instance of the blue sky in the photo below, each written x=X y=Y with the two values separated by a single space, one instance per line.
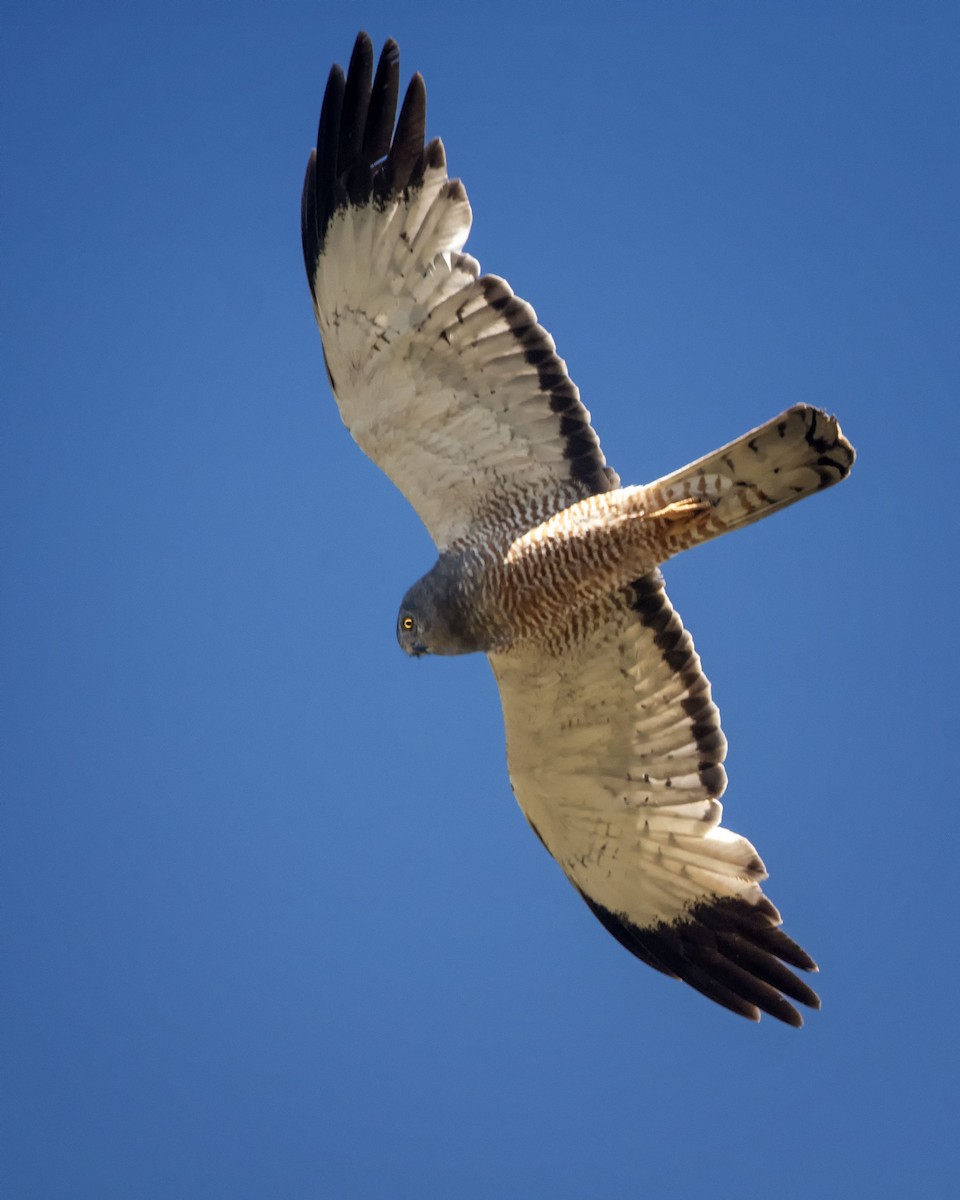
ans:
x=273 y=924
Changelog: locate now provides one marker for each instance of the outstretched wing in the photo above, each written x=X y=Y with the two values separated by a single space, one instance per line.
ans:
x=615 y=753
x=442 y=376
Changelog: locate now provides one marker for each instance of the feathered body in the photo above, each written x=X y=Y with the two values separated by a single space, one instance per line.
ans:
x=547 y=564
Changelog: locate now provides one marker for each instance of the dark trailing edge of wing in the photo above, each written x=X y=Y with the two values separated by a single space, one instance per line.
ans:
x=356 y=161
x=729 y=950
x=581 y=448
x=650 y=602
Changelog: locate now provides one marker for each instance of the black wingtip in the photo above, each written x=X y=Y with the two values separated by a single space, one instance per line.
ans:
x=356 y=101
x=362 y=47
x=359 y=157
x=406 y=150
x=322 y=190
x=383 y=104
x=728 y=950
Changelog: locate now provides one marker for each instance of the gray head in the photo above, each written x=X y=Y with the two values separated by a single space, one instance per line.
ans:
x=437 y=616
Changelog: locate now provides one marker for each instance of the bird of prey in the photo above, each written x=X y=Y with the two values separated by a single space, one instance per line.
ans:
x=546 y=564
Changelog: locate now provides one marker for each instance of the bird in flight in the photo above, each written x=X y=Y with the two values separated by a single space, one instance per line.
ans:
x=546 y=563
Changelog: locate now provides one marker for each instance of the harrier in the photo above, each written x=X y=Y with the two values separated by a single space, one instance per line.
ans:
x=546 y=564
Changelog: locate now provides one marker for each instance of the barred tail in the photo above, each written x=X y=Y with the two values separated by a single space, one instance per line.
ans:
x=796 y=454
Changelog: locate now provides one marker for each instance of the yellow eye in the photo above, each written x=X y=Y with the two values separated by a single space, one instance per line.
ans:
x=406 y=623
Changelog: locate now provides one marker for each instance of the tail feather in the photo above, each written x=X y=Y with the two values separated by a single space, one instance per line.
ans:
x=796 y=454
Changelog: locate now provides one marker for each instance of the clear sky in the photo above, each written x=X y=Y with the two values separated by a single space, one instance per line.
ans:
x=273 y=924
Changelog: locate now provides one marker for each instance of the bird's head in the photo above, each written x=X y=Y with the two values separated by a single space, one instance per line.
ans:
x=435 y=614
